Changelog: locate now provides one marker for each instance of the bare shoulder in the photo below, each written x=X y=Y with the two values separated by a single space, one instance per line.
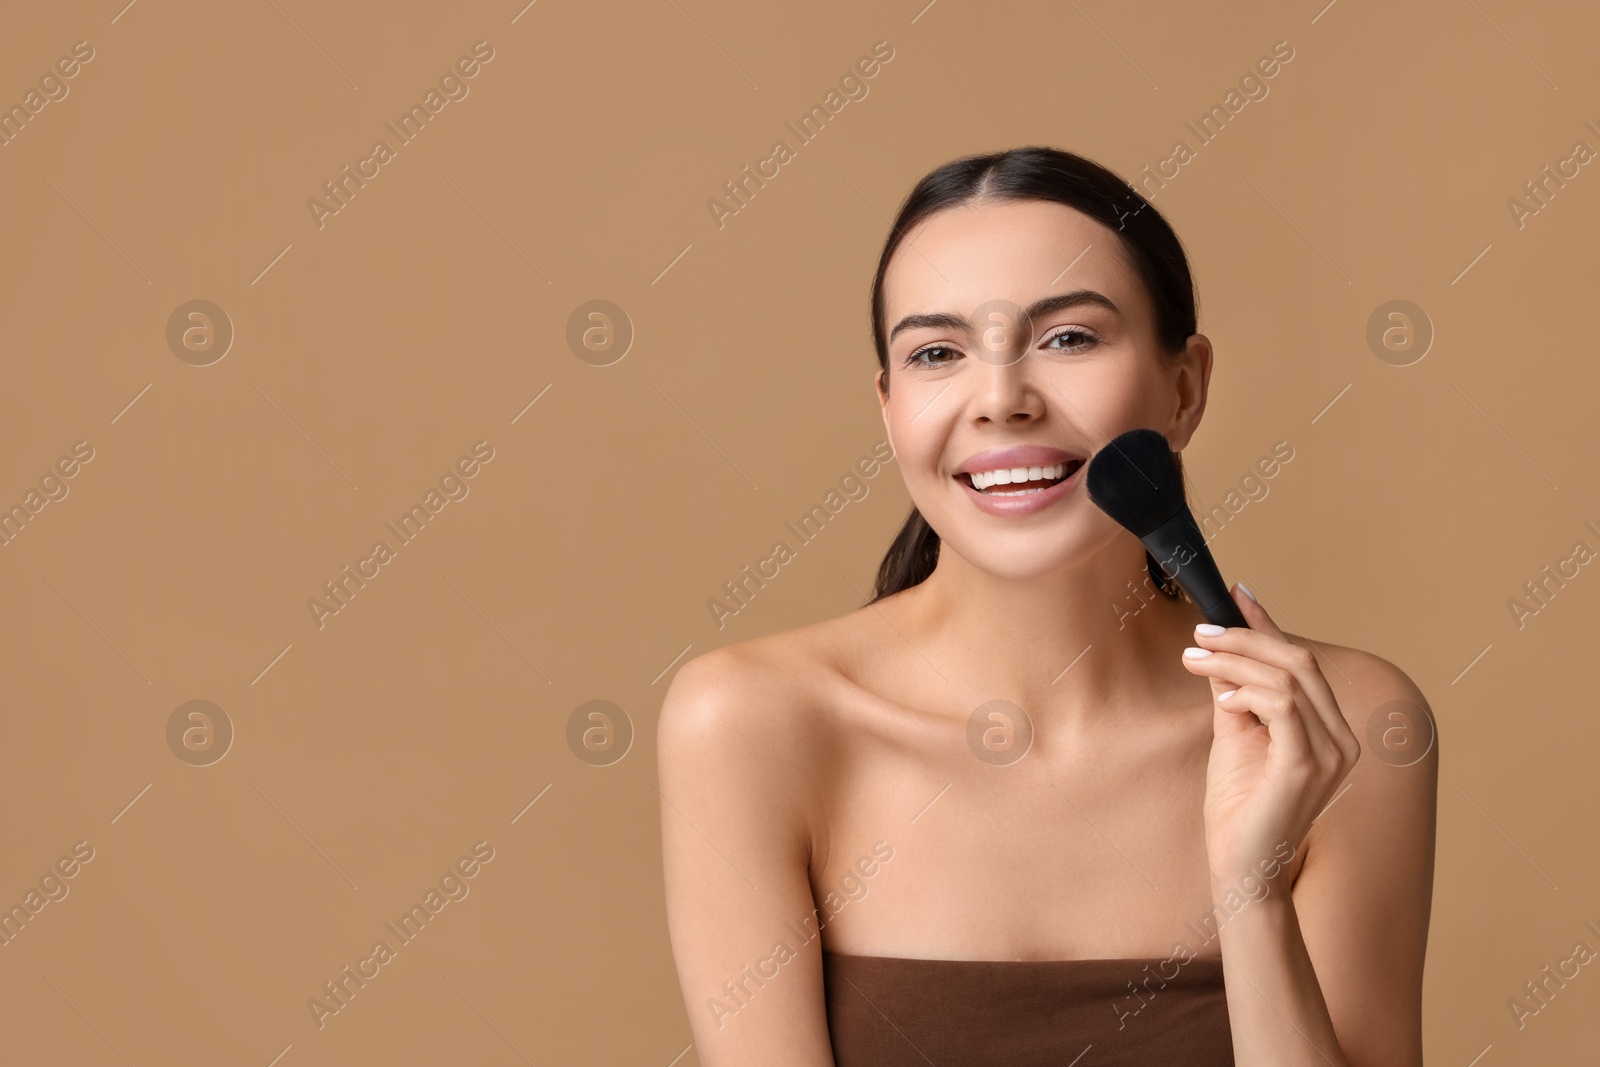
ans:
x=1382 y=704
x=1387 y=806
x=765 y=700
x=760 y=688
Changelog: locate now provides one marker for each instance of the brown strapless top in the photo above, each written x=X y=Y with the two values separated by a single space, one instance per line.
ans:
x=888 y=1012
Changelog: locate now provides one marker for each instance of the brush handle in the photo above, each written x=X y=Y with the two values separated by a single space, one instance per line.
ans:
x=1183 y=554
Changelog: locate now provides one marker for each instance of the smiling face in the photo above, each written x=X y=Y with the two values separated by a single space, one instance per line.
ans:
x=992 y=420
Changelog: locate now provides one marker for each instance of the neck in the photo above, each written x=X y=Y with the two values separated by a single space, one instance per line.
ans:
x=1068 y=645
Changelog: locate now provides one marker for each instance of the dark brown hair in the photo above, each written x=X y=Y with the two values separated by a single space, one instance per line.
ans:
x=1038 y=173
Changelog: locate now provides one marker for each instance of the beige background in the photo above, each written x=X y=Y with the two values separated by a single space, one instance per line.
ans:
x=369 y=754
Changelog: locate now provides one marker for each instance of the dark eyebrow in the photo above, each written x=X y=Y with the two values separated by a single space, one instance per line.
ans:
x=945 y=320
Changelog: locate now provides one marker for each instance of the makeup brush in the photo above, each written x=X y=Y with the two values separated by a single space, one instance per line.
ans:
x=1134 y=480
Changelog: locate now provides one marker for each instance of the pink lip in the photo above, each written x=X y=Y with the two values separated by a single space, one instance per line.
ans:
x=1029 y=503
x=1015 y=456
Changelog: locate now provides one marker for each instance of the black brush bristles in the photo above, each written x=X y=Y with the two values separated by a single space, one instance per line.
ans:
x=1134 y=480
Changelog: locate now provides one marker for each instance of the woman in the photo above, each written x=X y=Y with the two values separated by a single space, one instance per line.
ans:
x=1001 y=814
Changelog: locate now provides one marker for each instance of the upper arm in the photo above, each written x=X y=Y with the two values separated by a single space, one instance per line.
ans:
x=736 y=857
x=1365 y=890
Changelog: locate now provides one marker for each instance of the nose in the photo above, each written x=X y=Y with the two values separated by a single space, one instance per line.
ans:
x=1007 y=393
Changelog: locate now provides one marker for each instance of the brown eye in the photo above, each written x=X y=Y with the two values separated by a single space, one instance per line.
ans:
x=913 y=358
x=1080 y=339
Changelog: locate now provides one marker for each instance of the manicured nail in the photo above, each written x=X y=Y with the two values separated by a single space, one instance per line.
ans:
x=1245 y=589
x=1210 y=629
x=1225 y=696
x=1196 y=653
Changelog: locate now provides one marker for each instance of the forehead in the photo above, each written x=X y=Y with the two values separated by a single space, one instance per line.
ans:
x=958 y=258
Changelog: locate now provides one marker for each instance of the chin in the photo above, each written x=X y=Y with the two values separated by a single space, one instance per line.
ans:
x=1037 y=551
x=1016 y=554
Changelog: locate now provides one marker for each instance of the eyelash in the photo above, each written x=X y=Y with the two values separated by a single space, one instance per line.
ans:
x=1090 y=337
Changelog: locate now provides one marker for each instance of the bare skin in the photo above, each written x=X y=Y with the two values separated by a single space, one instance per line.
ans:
x=1143 y=797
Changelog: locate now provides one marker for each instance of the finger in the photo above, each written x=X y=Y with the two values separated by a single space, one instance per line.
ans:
x=1291 y=656
x=1277 y=712
x=1238 y=669
x=1277 y=651
x=1285 y=727
x=1219 y=684
x=1253 y=613
x=1242 y=671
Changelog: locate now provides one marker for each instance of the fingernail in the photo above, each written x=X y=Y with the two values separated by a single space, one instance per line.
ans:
x=1245 y=589
x=1196 y=653
x=1225 y=696
x=1210 y=629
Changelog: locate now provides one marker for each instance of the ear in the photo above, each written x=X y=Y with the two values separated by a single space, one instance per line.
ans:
x=880 y=382
x=1192 y=379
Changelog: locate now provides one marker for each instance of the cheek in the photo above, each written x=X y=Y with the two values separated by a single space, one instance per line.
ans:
x=1125 y=391
x=915 y=431
x=919 y=432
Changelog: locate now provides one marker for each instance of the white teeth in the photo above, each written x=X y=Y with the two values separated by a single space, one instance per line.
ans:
x=984 y=479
